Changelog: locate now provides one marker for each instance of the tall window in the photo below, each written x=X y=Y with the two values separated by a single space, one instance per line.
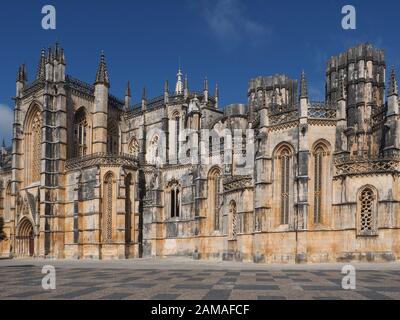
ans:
x=133 y=148
x=367 y=212
x=318 y=165
x=7 y=203
x=128 y=209
x=233 y=213
x=175 y=204
x=33 y=141
x=210 y=146
x=177 y=133
x=80 y=134
x=214 y=182
x=112 y=137
x=108 y=208
x=285 y=156
x=221 y=145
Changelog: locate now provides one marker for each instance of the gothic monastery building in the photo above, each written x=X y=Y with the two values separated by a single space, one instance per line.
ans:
x=281 y=179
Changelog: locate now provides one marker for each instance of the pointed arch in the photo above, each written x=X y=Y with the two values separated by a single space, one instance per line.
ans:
x=7 y=202
x=81 y=133
x=174 y=199
x=25 y=238
x=320 y=153
x=33 y=138
x=214 y=190
x=108 y=207
x=283 y=157
x=113 y=137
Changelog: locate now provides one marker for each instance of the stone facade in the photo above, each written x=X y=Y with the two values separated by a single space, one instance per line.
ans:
x=91 y=176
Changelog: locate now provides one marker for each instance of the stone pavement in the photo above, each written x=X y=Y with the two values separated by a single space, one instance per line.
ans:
x=181 y=279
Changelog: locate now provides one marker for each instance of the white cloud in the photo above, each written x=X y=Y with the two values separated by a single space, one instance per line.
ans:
x=6 y=123
x=231 y=25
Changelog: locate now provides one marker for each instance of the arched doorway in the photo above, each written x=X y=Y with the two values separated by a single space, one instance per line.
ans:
x=25 y=239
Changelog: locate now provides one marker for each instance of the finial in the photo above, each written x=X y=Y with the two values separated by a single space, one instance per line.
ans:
x=303 y=86
x=41 y=70
x=166 y=86
x=206 y=84
x=102 y=73
x=128 y=89
x=144 y=94
x=179 y=83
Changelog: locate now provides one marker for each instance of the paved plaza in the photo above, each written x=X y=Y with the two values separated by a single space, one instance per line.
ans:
x=181 y=279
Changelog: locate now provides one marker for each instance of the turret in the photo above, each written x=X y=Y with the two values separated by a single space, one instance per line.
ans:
x=128 y=97
x=100 y=115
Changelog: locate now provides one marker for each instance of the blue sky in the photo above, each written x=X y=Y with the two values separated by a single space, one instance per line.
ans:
x=230 y=41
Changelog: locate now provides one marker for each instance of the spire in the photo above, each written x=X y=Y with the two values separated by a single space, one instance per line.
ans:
x=41 y=71
x=393 y=88
x=342 y=89
x=303 y=86
x=179 y=83
x=102 y=73
x=216 y=96
x=186 y=87
x=62 y=58
x=166 y=86
x=21 y=76
x=206 y=84
x=4 y=144
x=128 y=90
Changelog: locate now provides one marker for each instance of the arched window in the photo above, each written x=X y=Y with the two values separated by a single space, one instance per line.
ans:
x=108 y=208
x=221 y=145
x=112 y=137
x=33 y=145
x=318 y=172
x=214 y=190
x=7 y=203
x=284 y=169
x=210 y=146
x=80 y=134
x=367 y=212
x=174 y=204
x=233 y=214
x=133 y=148
x=177 y=133
x=128 y=209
